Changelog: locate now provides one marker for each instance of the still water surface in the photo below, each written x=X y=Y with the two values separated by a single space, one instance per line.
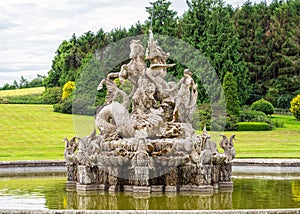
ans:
x=49 y=192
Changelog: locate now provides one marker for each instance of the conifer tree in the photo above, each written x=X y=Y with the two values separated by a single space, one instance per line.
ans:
x=162 y=19
x=231 y=94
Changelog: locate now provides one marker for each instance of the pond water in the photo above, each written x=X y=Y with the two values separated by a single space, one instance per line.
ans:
x=49 y=192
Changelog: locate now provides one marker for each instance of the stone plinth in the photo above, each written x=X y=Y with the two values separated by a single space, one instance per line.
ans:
x=202 y=188
x=226 y=185
x=141 y=189
x=112 y=188
x=157 y=188
x=128 y=188
x=71 y=184
x=87 y=187
x=102 y=187
x=170 y=189
x=185 y=188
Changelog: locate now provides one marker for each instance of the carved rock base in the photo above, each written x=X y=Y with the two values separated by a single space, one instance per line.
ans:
x=84 y=175
x=141 y=189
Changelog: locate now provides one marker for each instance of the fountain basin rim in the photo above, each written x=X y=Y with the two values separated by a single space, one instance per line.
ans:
x=248 y=167
x=254 y=211
x=236 y=162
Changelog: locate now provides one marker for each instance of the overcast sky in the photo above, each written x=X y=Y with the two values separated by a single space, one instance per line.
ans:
x=31 y=30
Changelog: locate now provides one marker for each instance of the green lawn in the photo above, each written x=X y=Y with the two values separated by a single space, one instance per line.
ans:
x=279 y=143
x=35 y=132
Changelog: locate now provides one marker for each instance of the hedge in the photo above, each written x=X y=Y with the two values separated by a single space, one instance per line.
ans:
x=253 y=126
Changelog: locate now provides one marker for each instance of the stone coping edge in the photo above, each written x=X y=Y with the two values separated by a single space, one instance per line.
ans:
x=32 y=163
x=267 y=162
x=257 y=211
x=236 y=162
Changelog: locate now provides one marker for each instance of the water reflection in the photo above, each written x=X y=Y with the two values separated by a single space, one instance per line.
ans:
x=124 y=201
x=50 y=193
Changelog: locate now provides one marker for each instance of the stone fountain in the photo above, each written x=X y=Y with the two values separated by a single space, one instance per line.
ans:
x=146 y=141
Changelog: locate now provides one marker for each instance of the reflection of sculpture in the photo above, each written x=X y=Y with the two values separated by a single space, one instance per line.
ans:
x=147 y=139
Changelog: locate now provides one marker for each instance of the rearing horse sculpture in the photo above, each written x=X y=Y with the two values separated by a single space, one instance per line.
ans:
x=131 y=71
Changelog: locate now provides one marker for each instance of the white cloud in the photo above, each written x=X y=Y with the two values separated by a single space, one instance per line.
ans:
x=31 y=30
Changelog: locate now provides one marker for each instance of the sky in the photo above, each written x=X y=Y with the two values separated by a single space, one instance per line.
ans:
x=32 y=30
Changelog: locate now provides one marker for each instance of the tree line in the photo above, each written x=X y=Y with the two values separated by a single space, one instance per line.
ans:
x=25 y=83
x=257 y=42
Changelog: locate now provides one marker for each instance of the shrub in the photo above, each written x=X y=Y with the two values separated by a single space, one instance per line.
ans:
x=204 y=116
x=253 y=126
x=68 y=88
x=4 y=101
x=295 y=107
x=52 y=95
x=253 y=116
x=65 y=106
x=278 y=123
x=57 y=107
x=25 y=99
x=263 y=106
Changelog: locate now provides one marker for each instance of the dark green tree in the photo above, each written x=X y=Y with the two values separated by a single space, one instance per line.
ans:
x=23 y=83
x=162 y=19
x=231 y=94
x=269 y=39
x=207 y=25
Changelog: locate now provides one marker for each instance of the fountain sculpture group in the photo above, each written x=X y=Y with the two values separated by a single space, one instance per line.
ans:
x=146 y=141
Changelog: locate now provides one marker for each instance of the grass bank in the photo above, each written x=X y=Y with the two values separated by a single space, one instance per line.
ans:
x=22 y=92
x=279 y=143
x=35 y=132
x=22 y=96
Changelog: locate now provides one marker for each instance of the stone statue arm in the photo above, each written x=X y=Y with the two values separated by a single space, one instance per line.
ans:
x=194 y=96
x=176 y=87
